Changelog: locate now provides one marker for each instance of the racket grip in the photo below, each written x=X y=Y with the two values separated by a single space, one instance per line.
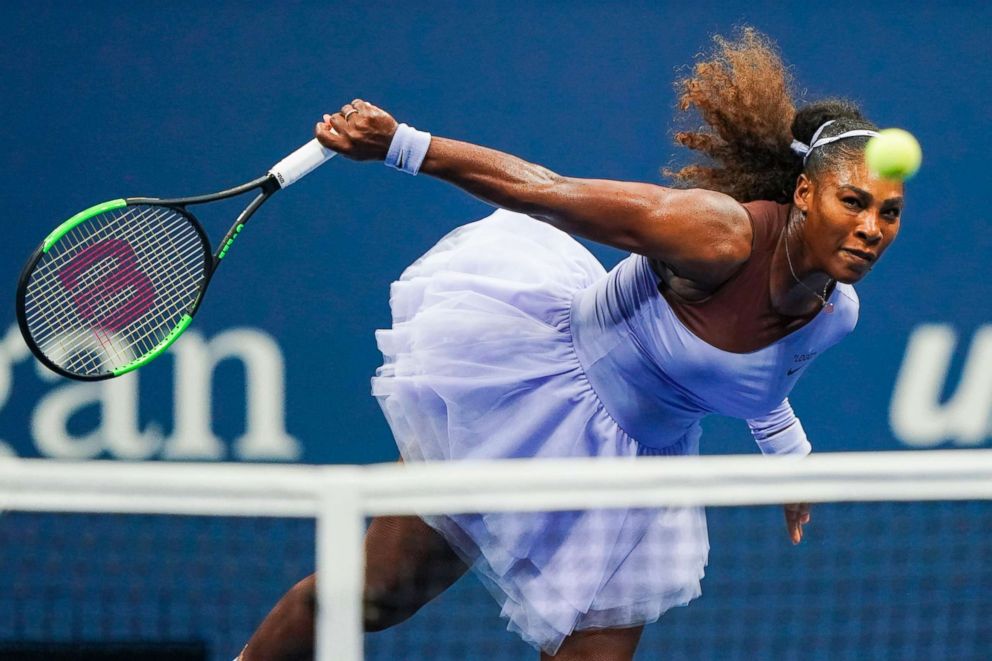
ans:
x=301 y=162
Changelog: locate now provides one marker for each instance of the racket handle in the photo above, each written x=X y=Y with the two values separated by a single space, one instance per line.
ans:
x=301 y=162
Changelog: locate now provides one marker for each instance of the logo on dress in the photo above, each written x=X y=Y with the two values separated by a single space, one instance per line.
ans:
x=802 y=360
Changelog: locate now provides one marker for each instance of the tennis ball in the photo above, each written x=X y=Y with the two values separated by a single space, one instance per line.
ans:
x=893 y=154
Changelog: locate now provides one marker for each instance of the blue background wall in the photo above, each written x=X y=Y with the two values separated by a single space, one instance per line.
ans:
x=117 y=99
x=174 y=98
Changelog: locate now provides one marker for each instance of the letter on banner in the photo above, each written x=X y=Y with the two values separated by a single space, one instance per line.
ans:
x=916 y=414
x=117 y=432
x=12 y=350
x=265 y=431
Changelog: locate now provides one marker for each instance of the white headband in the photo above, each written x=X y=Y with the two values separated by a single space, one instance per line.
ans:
x=804 y=150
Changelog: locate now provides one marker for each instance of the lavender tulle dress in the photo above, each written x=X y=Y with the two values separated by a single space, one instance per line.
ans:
x=509 y=340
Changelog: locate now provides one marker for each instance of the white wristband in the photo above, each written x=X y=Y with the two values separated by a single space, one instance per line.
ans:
x=408 y=149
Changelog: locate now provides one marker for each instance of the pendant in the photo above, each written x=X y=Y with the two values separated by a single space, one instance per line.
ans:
x=828 y=308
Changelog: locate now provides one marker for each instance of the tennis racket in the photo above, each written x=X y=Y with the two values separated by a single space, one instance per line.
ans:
x=114 y=286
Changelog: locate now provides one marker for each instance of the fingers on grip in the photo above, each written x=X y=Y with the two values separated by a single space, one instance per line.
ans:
x=337 y=123
x=327 y=134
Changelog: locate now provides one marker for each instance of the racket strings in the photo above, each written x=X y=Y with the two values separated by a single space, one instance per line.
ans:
x=140 y=293
x=61 y=255
x=91 y=279
x=146 y=332
x=122 y=300
x=114 y=287
x=77 y=240
x=71 y=342
x=79 y=344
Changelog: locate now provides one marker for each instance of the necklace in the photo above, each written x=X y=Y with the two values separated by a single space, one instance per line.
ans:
x=827 y=306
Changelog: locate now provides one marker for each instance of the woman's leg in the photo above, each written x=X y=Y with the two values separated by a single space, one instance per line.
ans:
x=598 y=645
x=407 y=565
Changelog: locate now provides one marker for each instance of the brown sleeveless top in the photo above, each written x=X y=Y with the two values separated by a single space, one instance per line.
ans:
x=738 y=316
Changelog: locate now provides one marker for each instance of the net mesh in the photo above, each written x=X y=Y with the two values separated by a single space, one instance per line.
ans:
x=870 y=581
x=894 y=579
x=114 y=287
x=103 y=578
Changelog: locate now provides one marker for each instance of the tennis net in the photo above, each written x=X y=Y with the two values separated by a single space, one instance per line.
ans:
x=896 y=563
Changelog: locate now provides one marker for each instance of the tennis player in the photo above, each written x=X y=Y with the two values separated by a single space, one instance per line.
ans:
x=510 y=340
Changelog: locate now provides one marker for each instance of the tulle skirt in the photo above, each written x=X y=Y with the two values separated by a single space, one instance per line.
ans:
x=480 y=364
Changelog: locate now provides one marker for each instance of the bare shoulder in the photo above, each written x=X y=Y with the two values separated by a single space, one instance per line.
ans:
x=718 y=216
x=714 y=234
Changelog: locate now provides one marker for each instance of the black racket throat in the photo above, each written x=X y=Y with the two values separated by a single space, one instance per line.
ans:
x=267 y=185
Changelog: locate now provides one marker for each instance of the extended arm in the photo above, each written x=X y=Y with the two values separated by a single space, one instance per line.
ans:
x=780 y=432
x=702 y=235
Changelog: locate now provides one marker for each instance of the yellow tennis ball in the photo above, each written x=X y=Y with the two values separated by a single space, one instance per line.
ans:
x=894 y=154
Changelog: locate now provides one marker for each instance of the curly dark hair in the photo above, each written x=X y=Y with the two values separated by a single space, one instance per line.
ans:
x=742 y=91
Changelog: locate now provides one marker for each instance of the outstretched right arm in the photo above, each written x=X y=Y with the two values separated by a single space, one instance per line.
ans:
x=702 y=235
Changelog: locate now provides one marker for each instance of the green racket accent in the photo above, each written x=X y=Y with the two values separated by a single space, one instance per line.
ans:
x=234 y=235
x=80 y=217
x=158 y=350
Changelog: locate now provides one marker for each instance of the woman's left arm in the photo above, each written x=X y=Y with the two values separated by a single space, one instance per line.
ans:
x=780 y=432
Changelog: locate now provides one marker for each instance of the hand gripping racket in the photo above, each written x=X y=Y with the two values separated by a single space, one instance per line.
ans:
x=113 y=287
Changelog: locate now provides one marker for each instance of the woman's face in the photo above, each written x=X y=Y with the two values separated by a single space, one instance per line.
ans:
x=851 y=218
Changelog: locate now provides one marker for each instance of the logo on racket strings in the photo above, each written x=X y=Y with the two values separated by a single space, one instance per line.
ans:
x=110 y=297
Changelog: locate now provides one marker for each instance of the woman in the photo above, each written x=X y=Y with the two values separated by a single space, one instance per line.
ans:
x=509 y=340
